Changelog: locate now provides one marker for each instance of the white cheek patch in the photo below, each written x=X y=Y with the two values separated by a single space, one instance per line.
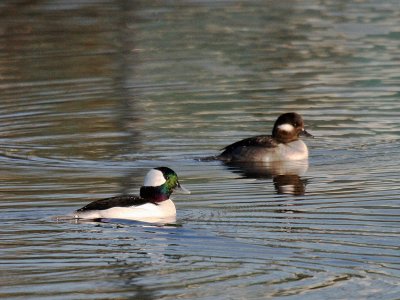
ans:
x=286 y=127
x=154 y=178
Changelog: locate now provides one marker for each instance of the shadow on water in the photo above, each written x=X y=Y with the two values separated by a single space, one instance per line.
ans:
x=67 y=72
x=287 y=177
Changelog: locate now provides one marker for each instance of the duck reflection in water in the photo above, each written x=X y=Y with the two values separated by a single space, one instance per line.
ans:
x=282 y=156
x=286 y=175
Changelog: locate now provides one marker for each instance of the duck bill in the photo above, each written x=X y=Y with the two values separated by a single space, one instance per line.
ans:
x=181 y=189
x=306 y=134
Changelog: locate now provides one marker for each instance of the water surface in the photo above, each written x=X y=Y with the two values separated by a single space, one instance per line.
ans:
x=95 y=93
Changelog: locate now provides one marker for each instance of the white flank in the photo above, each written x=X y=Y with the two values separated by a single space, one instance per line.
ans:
x=149 y=212
x=286 y=127
x=154 y=178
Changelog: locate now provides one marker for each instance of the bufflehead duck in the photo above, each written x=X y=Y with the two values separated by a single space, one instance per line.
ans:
x=153 y=204
x=283 y=145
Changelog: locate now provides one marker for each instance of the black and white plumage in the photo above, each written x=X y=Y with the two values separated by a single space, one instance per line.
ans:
x=153 y=204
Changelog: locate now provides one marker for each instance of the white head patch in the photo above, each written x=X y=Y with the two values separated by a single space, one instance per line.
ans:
x=286 y=127
x=154 y=178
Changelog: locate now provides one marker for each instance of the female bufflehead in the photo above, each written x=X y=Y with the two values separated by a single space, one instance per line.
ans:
x=153 y=204
x=283 y=145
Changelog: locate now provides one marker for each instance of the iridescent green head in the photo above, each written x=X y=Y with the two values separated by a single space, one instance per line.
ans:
x=159 y=184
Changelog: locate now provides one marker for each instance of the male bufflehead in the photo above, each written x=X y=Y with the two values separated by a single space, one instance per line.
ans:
x=153 y=204
x=283 y=145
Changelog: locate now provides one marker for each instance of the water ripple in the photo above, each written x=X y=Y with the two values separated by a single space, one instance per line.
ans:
x=95 y=93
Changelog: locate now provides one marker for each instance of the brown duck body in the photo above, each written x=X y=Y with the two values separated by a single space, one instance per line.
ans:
x=284 y=143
